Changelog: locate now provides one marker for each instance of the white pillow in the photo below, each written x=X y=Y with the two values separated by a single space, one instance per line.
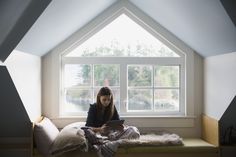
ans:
x=71 y=137
x=75 y=124
x=45 y=133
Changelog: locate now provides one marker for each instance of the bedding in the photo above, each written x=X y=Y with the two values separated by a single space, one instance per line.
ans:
x=142 y=145
x=107 y=147
x=72 y=139
x=162 y=139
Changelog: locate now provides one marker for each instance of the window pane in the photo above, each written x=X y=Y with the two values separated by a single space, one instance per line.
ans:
x=106 y=75
x=139 y=99
x=78 y=100
x=166 y=76
x=139 y=75
x=166 y=100
x=77 y=75
x=122 y=38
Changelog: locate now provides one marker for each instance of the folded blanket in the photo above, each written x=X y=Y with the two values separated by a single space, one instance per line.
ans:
x=107 y=147
x=104 y=148
x=130 y=137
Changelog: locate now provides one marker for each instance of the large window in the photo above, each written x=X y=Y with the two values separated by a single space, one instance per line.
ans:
x=146 y=76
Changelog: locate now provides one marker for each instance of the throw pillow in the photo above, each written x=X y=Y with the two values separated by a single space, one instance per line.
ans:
x=45 y=133
x=70 y=138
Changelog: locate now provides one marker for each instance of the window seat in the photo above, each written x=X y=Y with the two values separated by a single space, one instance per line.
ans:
x=194 y=147
x=207 y=146
x=190 y=145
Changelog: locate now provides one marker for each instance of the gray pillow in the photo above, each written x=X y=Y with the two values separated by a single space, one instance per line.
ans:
x=70 y=138
x=75 y=124
x=45 y=132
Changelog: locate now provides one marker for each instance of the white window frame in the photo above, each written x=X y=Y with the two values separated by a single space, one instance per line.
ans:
x=179 y=61
x=52 y=74
x=124 y=62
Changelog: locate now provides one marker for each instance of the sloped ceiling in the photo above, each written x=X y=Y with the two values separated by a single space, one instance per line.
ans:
x=204 y=25
x=229 y=6
x=16 y=18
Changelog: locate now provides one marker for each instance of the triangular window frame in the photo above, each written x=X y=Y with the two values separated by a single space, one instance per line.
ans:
x=126 y=10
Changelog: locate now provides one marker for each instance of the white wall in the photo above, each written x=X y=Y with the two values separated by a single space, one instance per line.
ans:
x=25 y=71
x=219 y=83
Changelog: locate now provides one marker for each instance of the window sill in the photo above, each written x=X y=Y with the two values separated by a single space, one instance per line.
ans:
x=159 y=116
x=139 y=121
x=160 y=121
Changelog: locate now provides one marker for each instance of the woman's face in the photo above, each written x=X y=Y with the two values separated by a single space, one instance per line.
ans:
x=105 y=100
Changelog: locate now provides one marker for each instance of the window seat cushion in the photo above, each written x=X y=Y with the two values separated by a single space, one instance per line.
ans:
x=189 y=145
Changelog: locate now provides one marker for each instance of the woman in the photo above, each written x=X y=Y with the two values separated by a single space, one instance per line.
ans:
x=102 y=111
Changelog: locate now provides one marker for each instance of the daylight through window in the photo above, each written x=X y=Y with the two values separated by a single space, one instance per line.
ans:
x=145 y=75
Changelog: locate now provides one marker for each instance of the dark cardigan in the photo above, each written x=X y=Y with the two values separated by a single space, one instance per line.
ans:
x=94 y=121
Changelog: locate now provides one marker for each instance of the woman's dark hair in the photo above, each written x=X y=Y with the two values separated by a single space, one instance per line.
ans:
x=109 y=111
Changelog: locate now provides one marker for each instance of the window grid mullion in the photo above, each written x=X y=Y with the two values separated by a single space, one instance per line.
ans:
x=153 y=91
x=123 y=88
x=92 y=86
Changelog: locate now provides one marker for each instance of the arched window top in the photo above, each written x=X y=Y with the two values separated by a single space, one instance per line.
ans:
x=122 y=37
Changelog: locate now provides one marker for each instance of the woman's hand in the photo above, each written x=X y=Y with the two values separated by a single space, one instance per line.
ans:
x=120 y=127
x=104 y=129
